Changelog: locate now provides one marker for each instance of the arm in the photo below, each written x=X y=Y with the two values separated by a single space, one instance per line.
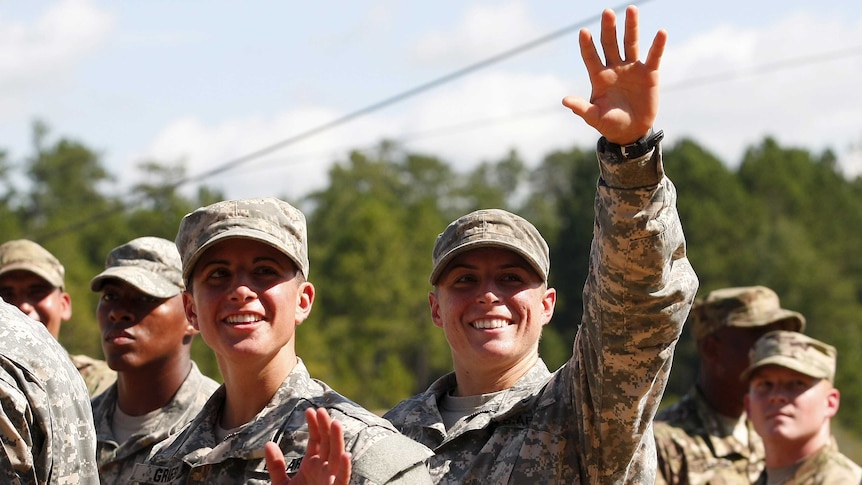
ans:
x=640 y=284
x=325 y=461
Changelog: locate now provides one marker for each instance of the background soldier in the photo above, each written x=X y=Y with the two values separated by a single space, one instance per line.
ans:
x=147 y=340
x=791 y=400
x=31 y=278
x=705 y=437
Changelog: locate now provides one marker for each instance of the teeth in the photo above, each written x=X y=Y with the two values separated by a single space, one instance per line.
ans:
x=244 y=318
x=496 y=323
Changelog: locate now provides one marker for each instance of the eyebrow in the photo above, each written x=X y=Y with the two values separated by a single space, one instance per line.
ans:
x=225 y=262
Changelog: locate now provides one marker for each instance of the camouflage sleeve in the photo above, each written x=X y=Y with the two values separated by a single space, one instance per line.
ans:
x=638 y=292
x=377 y=463
x=16 y=459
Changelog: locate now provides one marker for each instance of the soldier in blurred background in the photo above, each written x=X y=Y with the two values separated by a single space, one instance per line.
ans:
x=791 y=401
x=705 y=437
x=31 y=278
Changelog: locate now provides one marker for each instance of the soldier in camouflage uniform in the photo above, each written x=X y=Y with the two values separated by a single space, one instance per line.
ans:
x=502 y=417
x=705 y=437
x=791 y=400
x=46 y=434
x=245 y=264
x=147 y=339
x=31 y=278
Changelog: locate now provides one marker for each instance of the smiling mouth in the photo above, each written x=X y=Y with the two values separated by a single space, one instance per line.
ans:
x=490 y=323
x=242 y=319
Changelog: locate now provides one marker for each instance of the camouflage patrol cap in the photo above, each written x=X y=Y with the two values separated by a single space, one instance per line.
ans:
x=794 y=351
x=491 y=228
x=26 y=255
x=150 y=264
x=747 y=307
x=269 y=220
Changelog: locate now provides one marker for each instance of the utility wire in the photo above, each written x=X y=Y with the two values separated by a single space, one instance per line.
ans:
x=234 y=163
x=680 y=85
x=555 y=109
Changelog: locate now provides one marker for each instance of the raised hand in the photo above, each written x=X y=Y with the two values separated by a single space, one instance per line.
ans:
x=625 y=91
x=325 y=461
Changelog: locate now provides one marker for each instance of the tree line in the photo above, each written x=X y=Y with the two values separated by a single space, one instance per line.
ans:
x=785 y=217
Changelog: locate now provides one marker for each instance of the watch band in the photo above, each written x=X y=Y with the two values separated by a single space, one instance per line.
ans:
x=637 y=149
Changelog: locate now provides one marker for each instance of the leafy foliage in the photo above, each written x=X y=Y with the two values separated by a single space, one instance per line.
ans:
x=786 y=218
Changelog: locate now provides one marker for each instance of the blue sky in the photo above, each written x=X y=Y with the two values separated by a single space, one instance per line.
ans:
x=206 y=82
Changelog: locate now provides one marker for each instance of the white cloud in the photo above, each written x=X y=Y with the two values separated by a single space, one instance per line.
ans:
x=484 y=30
x=53 y=45
x=810 y=102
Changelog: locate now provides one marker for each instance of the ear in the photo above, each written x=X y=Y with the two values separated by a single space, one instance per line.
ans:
x=435 y=309
x=66 y=303
x=191 y=310
x=548 y=303
x=304 y=301
x=833 y=401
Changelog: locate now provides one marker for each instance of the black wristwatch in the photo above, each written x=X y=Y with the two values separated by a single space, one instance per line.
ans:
x=637 y=149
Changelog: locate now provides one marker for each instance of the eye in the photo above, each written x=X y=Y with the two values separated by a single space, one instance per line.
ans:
x=266 y=270
x=512 y=278
x=217 y=273
x=108 y=296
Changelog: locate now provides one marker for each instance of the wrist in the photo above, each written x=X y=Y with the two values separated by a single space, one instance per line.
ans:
x=636 y=149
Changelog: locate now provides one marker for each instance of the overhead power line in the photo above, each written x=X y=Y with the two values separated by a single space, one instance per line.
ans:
x=237 y=162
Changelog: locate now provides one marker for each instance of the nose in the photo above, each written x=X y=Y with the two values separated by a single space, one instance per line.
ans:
x=778 y=395
x=242 y=292
x=119 y=313
x=488 y=294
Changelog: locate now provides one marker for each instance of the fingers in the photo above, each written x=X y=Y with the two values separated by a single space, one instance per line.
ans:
x=609 y=38
x=630 y=37
x=592 y=61
x=343 y=475
x=656 y=50
x=313 y=431
x=578 y=105
x=275 y=463
x=336 y=442
x=324 y=424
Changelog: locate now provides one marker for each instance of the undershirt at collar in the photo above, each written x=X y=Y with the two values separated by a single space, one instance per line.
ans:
x=453 y=408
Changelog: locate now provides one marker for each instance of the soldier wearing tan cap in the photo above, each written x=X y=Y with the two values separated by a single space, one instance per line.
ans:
x=791 y=400
x=245 y=265
x=502 y=417
x=705 y=437
x=147 y=339
x=32 y=279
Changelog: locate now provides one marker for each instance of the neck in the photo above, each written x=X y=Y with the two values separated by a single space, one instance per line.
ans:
x=143 y=390
x=249 y=389
x=474 y=379
x=781 y=453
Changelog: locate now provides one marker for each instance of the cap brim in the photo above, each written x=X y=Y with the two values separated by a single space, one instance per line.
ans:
x=36 y=270
x=143 y=280
x=787 y=362
x=441 y=266
x=241 y=233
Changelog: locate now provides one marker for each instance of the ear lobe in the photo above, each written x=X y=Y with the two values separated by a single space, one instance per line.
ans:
x=191 y=311
x=435 y=310
x=67 y=306
x=548 y=303
x=304 y=301
x=833 y=401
